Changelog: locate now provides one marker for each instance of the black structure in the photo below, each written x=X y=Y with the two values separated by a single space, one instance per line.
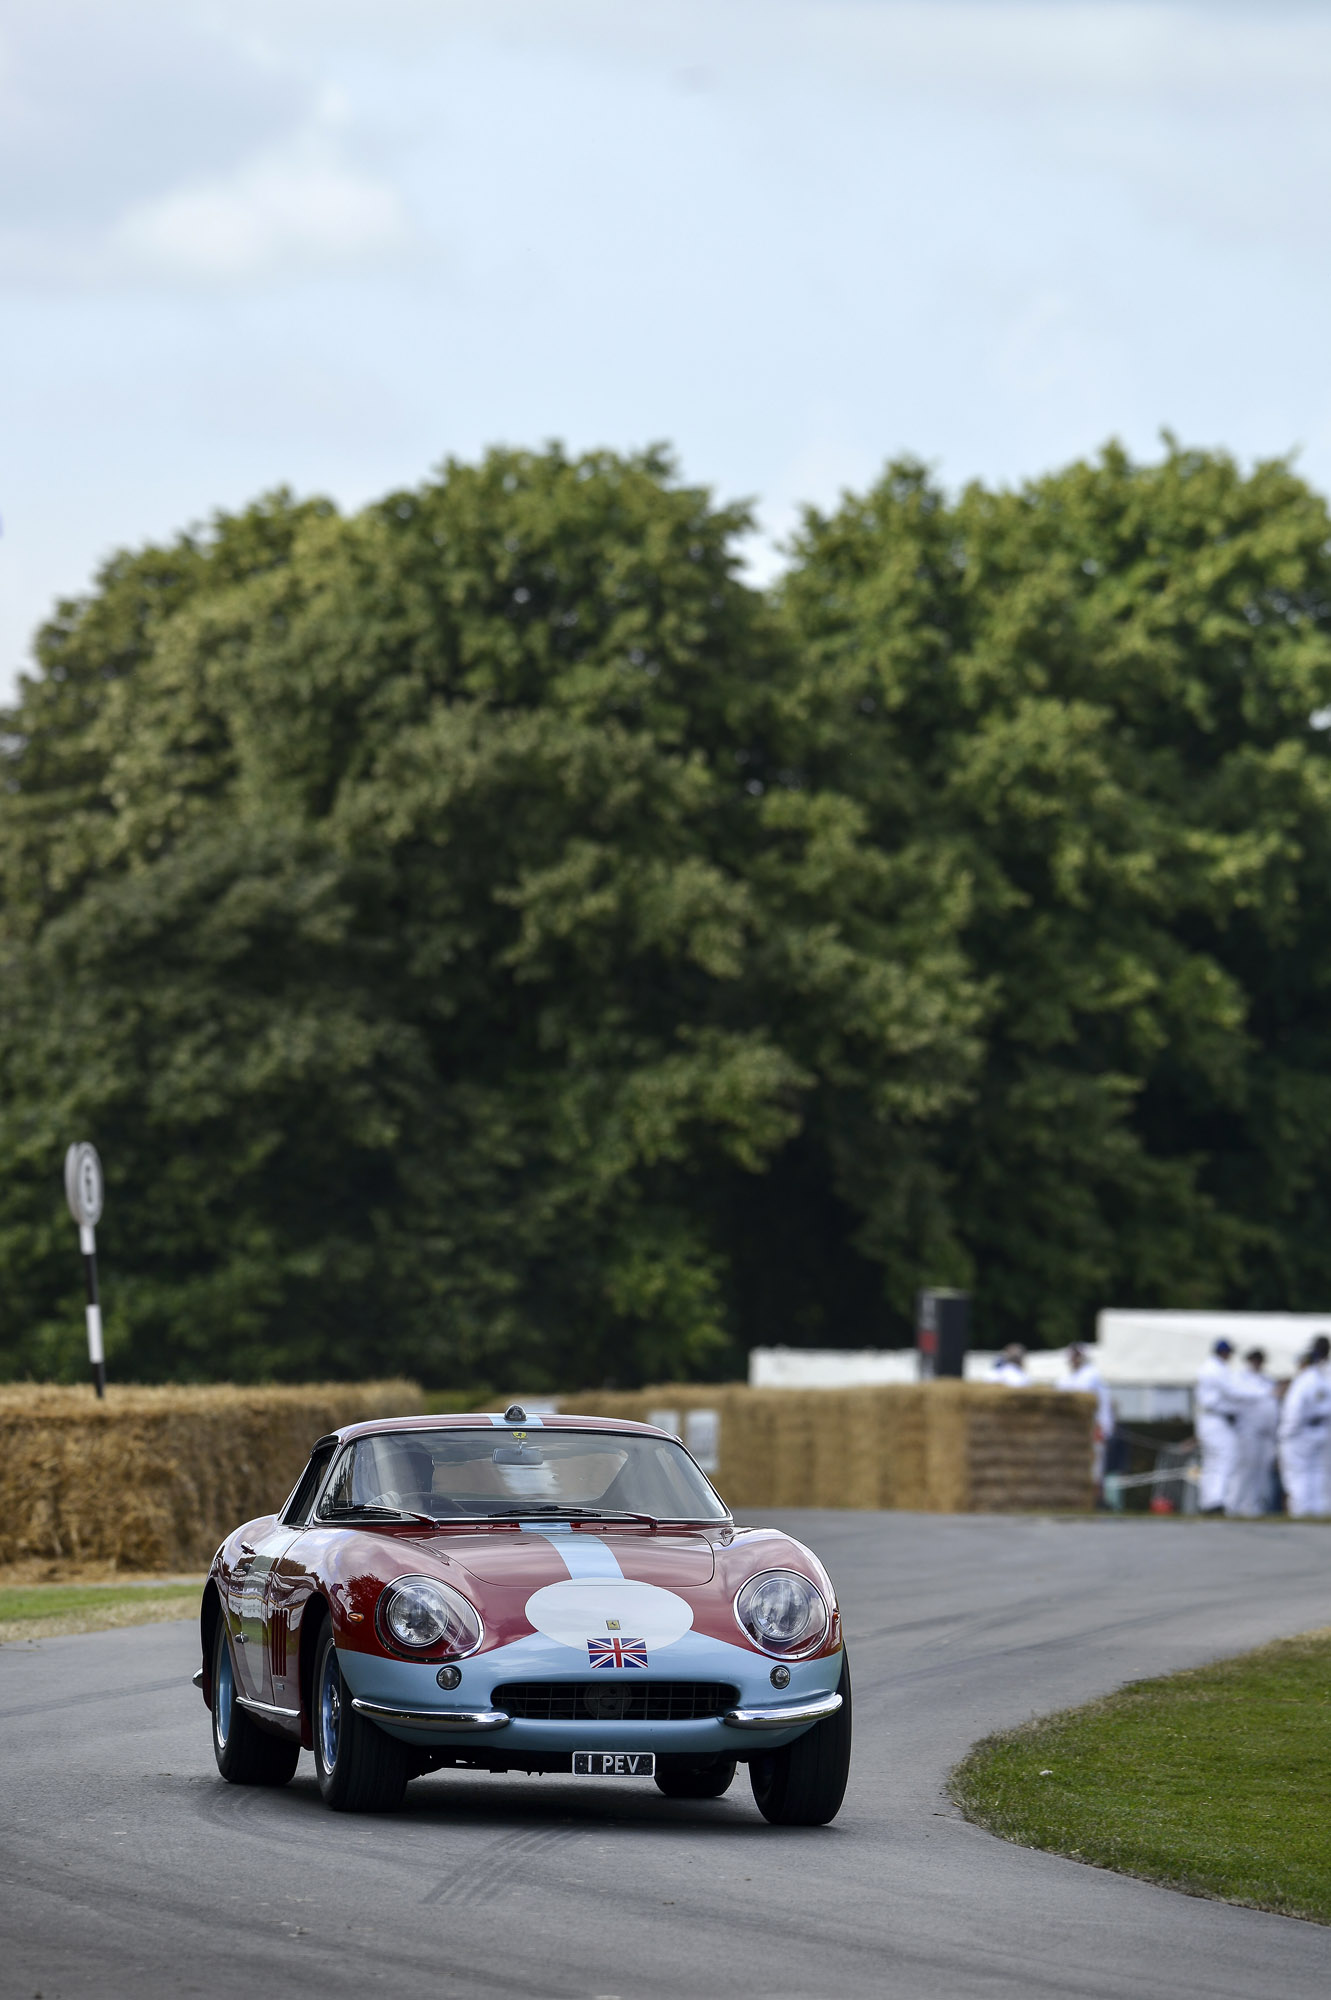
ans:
x=942 y=1331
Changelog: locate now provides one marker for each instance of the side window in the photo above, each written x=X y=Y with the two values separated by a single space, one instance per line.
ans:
x=339 y=1492
x=297 y=1510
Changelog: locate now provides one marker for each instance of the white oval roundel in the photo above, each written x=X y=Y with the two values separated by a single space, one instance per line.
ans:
x=571 y=1613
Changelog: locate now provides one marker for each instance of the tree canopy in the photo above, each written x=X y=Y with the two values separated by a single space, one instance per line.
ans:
x=484 y=936
x=1105 y=698
x=429 y=918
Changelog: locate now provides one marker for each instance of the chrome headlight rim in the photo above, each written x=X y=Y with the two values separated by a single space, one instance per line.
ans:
x=800 y=1649
x=432 y=1649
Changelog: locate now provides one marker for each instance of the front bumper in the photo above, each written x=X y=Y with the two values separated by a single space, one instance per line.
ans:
x=403 y=1698
x=451 y=1719
x=784 y=1717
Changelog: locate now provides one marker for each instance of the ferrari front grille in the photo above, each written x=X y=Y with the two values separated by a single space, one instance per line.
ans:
x=606 y=1700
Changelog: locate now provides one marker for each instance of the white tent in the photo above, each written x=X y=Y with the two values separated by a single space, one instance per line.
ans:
x=1157 y=1348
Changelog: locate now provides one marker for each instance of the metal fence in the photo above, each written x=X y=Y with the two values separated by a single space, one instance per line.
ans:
x=1172 y=1480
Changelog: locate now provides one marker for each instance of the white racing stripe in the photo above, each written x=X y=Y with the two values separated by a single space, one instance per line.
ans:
x=597 y=1598
x=583 y=1556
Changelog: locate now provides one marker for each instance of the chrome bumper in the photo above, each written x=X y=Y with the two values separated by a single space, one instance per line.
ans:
x=268 y=1711
x=789 y=1716
x=448 y=1719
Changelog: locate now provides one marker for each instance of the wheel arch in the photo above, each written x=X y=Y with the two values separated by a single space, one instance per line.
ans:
x=210 y=1613
x=316 y=1614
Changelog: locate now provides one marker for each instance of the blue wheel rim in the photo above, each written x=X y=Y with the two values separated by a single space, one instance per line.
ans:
x=330 y=1711
x=224 y=1694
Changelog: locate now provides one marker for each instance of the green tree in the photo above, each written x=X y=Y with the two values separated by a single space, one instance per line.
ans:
x=1102 y=701
x=432 y=918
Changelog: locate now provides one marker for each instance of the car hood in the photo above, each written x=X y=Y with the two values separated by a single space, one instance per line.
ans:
x=530 y=1558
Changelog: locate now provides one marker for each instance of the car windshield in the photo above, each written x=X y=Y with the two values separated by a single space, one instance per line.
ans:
x=448 y=1474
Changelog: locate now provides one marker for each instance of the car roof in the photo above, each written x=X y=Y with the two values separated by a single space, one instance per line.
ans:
x=480 y=1420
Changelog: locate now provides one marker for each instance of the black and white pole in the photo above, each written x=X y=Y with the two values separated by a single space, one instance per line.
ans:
x=83 y=1190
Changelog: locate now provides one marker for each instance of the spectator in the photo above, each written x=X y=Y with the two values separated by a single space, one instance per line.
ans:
x=1305 y=1434
x=1010 y=1367
x=1083 y=1374
x=1218 y=1407
x=1251 y=1477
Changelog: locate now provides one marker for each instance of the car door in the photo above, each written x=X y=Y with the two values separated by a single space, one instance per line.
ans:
x=253 y=1572
x=287 y=1586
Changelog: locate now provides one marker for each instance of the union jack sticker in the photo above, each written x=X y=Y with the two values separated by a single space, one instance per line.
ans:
x=617 y=1652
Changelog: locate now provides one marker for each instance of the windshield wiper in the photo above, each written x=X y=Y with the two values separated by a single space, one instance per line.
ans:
x=361 y=1509
x=560 y=1511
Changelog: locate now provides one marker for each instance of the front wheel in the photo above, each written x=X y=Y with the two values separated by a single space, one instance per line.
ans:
x=359 y=1768
x=694 y=1777
x=246 y=1754
x=804 y=1783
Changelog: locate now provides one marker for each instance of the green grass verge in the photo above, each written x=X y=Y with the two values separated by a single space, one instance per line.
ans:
x=52 y=1600
x=47 y=1610
x=1214 y=1782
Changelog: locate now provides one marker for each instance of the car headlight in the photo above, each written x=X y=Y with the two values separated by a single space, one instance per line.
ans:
x=423 y=1615
x=782 y=1612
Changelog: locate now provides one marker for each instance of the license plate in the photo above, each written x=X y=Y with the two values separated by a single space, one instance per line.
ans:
x=614 y=1763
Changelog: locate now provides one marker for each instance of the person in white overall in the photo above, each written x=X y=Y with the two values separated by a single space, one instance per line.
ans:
x=1217 y=1407
x=1084 y=1375
x=1251 y=1477
x=1009 y=1367
x=1305 y=1434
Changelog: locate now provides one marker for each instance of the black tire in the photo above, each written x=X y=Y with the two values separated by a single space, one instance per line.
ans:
x=358 y=1767
x=694 y=1777
x=246 y=1754
x=804 y=1783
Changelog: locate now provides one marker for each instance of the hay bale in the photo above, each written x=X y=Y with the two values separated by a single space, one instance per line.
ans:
x=152 y=1479
x=902 y=1446
x=939 y=1447
x=1041 y=1461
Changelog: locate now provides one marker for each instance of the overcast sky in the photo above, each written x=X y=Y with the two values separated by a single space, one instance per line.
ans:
x=325 y=245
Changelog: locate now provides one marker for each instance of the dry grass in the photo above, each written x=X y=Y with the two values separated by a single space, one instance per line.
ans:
x=940 y=1447
x=152 y=1479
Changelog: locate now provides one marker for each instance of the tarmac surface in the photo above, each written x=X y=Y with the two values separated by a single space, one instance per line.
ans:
x=127 y=1867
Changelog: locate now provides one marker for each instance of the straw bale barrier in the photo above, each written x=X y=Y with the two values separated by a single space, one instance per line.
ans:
x=152 y=1479
x=940 y=1447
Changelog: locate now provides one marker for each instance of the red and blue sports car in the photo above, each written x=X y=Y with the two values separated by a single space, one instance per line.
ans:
x=523 y=1593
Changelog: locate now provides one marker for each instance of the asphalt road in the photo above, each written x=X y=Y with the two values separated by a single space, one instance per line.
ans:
x=128 y=1868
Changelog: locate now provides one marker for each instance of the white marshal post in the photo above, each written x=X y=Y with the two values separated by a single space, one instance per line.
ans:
x=83 y=1191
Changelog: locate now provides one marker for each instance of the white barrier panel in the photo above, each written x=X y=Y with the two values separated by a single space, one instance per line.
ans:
x=830 y=1367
